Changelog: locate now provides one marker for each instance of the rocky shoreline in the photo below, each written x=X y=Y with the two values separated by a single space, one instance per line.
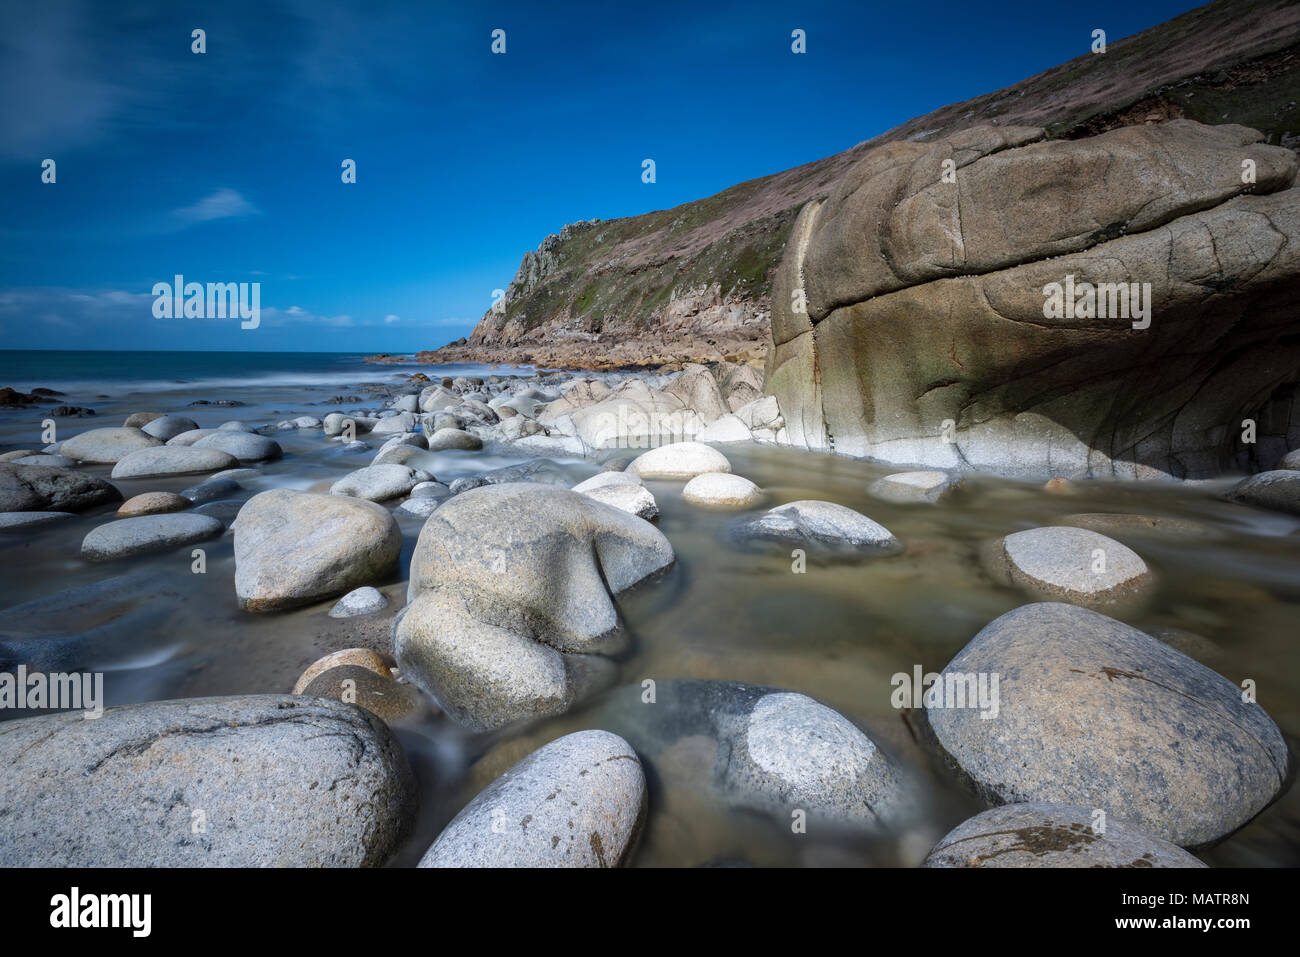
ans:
x=519 y=592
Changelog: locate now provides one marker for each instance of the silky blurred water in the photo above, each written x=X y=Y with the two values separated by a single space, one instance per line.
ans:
x=836 y=633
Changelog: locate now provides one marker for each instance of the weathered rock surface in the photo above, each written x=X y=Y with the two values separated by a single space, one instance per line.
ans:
x=820 y=526
x=293 y=548
x=1096 y=714
x=577 y=802
x=1052 y=835
x=511 y=611
x=926 y=337
x=903 y=488
x=633 y=499
x=36 y=488
x=280 y=782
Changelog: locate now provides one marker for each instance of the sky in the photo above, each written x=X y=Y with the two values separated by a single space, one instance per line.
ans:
x=226 y=166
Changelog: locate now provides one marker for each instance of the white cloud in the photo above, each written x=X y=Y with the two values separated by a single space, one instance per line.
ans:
x=223 y=204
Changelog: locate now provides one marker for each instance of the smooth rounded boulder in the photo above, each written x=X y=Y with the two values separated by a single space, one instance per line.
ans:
x=107 y=446
x=1053 y=835
x=152 y=503
x=819 y=526
x=790 y=752
x=679 y=460
x=245 y=446
x=1064 y=563
x=722 y=490
x=293 y=548
x=146 y=534
x=172 y=460
x=166 y=427
x=511 y=612
x=1278 y=490
x=280 y=781
x=1094 y=713
x=444 y=439
x=38 y=488
x=577 y=802
x=377 y=483
x=906 y=488
x=360 y=601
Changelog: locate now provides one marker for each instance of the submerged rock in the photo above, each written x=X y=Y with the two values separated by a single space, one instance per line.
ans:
x=904 y=488
x=16 y=521
x=1278 y=490
x=212 y=490
x=1096 y=714
x=577 y=802
x=293 y=548
x=127 y=537
x=354 y=657
x=1053 y=835
x=389 y=700
x=1071 y=564
x=276 y=780
x=821 y=526
x=510 y=610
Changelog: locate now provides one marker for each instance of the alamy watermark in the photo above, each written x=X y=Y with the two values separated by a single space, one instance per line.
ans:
x=37 y=691
x=952 y=689
x=215 y=300
x=1103 y=300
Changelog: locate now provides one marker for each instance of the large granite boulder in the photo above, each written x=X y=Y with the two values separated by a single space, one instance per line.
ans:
x=1092 y=713
x=293 y=548
x=915 y=319
x=511 y=608
x=251 y=781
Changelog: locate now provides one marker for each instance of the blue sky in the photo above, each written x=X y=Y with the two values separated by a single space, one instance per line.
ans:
x=225 y=167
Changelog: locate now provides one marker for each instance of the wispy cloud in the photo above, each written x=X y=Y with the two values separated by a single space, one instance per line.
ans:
x=223 y=204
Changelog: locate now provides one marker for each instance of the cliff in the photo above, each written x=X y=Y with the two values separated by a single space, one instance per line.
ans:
x=693 y=283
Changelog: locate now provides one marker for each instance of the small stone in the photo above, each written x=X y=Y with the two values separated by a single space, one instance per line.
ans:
x=153 y=503
x=361 y=601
